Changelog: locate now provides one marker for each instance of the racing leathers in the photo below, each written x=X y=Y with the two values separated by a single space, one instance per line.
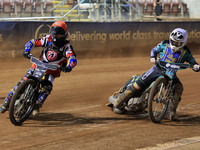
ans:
x=63 y=56
x=166 y=54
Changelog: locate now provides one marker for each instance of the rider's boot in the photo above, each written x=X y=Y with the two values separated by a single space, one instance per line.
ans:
x=4 y=107
x=36 y=109
x=42 y=97
x=124 y=97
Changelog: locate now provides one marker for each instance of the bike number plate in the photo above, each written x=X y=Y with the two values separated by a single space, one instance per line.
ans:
x=38 y=74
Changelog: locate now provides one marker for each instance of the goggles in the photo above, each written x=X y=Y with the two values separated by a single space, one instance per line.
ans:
x=58 y=36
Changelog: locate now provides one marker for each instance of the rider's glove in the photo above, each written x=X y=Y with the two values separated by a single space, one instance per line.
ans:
x=26 y=54
x=66 y=69
x=196 y=67
x=72 y=62
x=28 y=47
x=152 y=60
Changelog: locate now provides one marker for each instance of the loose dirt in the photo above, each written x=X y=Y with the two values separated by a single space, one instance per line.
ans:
x=75 y=116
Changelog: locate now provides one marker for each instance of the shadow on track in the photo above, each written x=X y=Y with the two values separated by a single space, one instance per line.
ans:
x=183 y=120
x=65 y=119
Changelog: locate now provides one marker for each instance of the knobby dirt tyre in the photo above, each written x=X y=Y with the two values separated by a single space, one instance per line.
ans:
x=157 y=106
x=26 y=107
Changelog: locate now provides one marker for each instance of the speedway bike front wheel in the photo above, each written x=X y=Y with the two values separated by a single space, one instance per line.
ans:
x=158 y=100
x=22 y=102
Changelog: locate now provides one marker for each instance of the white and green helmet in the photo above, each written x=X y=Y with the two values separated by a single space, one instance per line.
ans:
x=178 y=39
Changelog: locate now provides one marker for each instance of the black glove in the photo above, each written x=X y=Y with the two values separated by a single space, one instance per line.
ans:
x=26 y=54
x=66 y=69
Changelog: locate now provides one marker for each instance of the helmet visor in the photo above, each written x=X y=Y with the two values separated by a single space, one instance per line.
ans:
x=58 y=36
x=57 y=30
x=176 y=43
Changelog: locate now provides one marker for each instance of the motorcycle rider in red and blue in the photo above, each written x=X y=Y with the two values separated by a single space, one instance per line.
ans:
x=57 y=50
x=173 y=50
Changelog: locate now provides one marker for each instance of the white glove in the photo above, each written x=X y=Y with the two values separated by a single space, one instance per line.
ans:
x=153 y=60
x=196 y=67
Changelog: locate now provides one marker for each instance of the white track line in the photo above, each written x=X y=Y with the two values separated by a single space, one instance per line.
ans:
x=174 y=144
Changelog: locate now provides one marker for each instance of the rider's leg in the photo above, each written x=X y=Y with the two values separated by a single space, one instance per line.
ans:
x=44 y=93
x=7 y=100
x=131 y=91
x=137 y=87
x=178 y=90
x=4 y=107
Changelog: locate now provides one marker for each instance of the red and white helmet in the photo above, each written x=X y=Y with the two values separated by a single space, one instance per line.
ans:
x=178 y=39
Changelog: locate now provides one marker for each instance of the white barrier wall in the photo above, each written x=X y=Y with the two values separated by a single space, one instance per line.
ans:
x=193 y=6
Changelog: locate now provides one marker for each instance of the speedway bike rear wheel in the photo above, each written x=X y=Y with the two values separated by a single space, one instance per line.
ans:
x=158 y=100
x=22 y=102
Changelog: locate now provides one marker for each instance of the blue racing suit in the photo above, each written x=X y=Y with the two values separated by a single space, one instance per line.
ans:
x=166 y=54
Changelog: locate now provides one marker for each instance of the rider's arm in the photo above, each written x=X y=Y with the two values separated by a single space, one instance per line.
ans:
x=71 y=56
x=70 y=59
x=154 y=52
x=28 y=46
x=35 y=43
x=191 y=60
x=157 y=49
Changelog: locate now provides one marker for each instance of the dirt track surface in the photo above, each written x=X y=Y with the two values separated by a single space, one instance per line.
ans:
x=75 y=117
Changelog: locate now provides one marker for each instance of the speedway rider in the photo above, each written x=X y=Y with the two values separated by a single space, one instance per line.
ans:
x=57 y=50
x=173 y=50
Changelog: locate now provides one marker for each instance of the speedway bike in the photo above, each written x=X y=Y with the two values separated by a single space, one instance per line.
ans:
x=162 y=91
x=24 y=98
x=156 y=98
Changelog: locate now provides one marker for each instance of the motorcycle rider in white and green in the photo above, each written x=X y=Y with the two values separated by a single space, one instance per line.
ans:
x=173 y=50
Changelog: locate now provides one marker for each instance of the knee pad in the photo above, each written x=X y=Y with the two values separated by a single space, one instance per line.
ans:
x=133 y=90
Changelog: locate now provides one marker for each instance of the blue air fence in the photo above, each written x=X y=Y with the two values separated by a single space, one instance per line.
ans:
x=99 y=39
